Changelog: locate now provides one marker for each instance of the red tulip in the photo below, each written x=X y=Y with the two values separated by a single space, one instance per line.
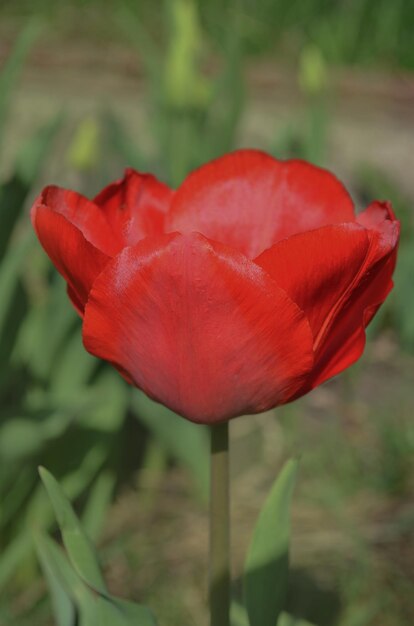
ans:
x=242 y=290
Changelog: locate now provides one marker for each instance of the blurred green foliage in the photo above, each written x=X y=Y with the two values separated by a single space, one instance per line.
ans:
x=80 y=594
x=267 y=564
x=194 y=117
x=59 y=406
x=364 y=32
x=77 y=584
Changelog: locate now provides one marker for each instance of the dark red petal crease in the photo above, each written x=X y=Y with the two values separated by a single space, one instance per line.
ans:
x=75 y=258
x=135 y=206
x=344 y=340
x=249 y=200
x=78 y=303
x=199 y=328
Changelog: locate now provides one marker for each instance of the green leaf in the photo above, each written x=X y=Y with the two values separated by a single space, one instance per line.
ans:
x=120 y=142
x=13 y=304
x=35 y=150
x=402 y=298
x=83 y=598
x=267 y=563
x=63 y=605
x=115 y=612
x=77 y=543
x=185 y=442
x=73 y=594
x=238 y=615
x=74 y=482
x=110 y=396
x=12 y=69
x=14 y=192
x=46 y=329
x=10 y=272
x=286 y=619
x=15 y=488
x=12 y=196
x=72 y=370
x=10 y=327
x=38 y=513
x=98 y=503
x=84 y=151
x=21 y=437
x=12 y=556
x=131 y=22
x=229 y=96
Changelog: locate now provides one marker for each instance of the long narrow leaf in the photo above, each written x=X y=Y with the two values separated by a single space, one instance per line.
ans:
x=39 y=514
x=115 y=612
x=64 y=607
x=98 y=503
x=77 y=543
x=84 y=600
x=266 y=570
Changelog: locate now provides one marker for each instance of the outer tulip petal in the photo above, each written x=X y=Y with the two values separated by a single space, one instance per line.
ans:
x=249 y=200
x=83 y=214
x=199 y=328
x=340 y=284
x=344 y=339
x=317 y=268
x=135 y=206
x=375 y=216
x=75 y=258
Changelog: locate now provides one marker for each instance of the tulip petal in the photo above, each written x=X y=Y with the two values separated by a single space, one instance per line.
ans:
x=376 y=216
x=344 y=339
x=249 y=200
x=345 y=342
x=317 y=268
x=83 y=214
x=135 y=206
x=339 y=276
x=199 y=328
x=75 y=258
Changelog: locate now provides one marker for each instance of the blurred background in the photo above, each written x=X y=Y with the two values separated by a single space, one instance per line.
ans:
x=88 y=87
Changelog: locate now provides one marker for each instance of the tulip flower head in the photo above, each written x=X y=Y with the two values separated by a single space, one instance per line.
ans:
x=246 y=287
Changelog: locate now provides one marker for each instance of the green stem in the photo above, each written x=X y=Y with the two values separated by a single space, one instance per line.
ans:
x=220 y=527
